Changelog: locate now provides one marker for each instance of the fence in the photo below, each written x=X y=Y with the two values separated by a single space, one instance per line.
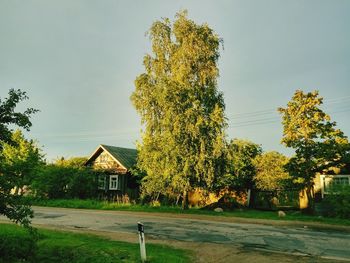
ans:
x=277 y=199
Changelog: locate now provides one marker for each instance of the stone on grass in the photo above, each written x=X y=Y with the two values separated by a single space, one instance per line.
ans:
x=219 y=210
x=281 y=214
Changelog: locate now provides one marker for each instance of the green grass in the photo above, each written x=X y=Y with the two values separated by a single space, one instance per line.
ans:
x=16 y=245
x=245 y=213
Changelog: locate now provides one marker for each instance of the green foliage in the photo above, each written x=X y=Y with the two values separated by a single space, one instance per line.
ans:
x=318 y=144
x=285 y=199
x=64 y=181
x=82 y=184
x=51 y=181
x=270 y=171
x=74 y=162
x=55 y=246
x=240 y=168
x=337 y=202
x=10 y=205
x=8 y=115
x=16 y=244
x=19 y=159
x=181 y=108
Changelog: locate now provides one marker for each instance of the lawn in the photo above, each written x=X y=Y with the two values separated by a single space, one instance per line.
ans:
x=17 y=245
x=245 y=213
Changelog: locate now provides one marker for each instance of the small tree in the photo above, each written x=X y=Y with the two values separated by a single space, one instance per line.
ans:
x=317 y=142
x=270 y=171
x=19 y=159
x=51 y=181
x=240 y=165
x=11 y=205
x=181 y=108
x=66 y=178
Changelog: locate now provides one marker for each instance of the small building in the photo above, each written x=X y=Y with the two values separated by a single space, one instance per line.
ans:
x=325 y=182
x=114 y=178
x=323 y=185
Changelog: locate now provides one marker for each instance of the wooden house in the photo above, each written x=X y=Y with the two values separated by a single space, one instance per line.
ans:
x=114 y=178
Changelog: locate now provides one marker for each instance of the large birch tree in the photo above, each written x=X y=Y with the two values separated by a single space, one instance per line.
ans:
x=181 y=108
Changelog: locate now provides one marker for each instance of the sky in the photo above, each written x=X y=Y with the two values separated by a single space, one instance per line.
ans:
x=77 y=61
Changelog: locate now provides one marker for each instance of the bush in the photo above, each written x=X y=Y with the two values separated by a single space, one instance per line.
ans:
x=55 y=181
x=277 y=199
x=338 y=202
x=16 y=244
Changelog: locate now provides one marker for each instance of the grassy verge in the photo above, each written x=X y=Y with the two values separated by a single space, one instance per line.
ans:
x=246 y=213
x=16 y=245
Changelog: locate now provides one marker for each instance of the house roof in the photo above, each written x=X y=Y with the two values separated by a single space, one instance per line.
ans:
x=125 y=156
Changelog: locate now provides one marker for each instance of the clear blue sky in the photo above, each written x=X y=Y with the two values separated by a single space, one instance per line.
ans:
x=78 y=60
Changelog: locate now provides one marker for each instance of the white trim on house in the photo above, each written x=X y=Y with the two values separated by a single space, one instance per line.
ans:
x=326 y=180
x=115 y=159
x=113 y=182
x=105 y=150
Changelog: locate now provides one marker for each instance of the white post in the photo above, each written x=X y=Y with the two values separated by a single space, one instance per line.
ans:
x=142 y=241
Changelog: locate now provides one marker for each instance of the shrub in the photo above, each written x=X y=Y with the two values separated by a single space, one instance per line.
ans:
x=16 y=244
x=55 y=181
x=338 y=202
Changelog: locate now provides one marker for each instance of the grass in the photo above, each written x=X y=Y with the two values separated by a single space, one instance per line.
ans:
x=246 y=213
x=16 y=245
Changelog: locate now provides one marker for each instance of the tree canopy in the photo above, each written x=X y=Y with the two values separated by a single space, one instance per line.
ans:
x=240 y=165
x=8 y=115
x=317 y=142
x=19 y=161
x=64 y=180
x=11 y=205
x=180 y=107
x=73 y=162
x=270 y=171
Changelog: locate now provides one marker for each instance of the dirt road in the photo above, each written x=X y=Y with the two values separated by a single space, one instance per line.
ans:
x=211 y=240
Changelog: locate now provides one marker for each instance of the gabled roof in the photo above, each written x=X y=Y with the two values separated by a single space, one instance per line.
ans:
x=125 y=156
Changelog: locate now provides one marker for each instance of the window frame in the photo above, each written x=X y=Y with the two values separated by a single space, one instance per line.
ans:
x=114 y=176
x=327 y=179
x=101 y=179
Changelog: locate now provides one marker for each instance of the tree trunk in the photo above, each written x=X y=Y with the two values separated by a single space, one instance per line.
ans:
x=157 y=198
x=177 y=199
x=252 y=198
x=185 y=200
x=310 y=200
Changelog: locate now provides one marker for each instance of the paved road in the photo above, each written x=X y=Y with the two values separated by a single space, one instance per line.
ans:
x=286 y=239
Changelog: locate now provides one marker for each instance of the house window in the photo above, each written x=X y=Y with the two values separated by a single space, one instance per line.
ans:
x=333 y=181
x=337 y=181
x=113 y=182
x=101 y=181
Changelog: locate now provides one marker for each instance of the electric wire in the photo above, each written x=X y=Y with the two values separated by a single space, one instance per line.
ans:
x=245 y=119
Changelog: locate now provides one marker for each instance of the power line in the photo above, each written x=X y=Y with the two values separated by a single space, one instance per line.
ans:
x=274 y=110
x=337 y=100
x=256 y=120
x=262 y=122
x=253 y=118
x=254 y=124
